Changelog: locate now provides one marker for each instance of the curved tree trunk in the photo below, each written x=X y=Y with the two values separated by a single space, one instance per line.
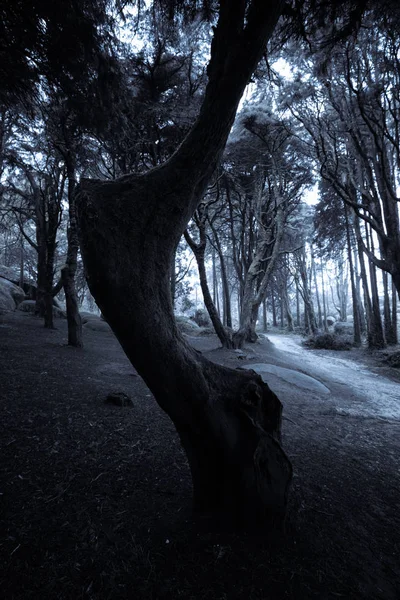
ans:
x=224 y=335
x=229 y=421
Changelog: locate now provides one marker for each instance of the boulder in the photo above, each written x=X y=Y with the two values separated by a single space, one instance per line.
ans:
x=13 y=275
x=187 y=326
x=201 y=317
x=9 y=273
x=344 y=328
x=88 y=316
x=58 y=312
x=330 y=321
x=96 y=325
x=6 y=300
x=30 y=307
x=10 y=295
x=16 y=292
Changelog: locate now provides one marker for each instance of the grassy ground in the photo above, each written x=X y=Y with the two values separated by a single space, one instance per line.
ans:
x=95 y=498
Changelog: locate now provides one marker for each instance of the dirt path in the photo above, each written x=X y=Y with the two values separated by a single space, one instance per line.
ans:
x=95 y=499
x=355 y=388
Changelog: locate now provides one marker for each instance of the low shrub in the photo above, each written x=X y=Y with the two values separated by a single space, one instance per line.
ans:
x=329 y=341
x=393 y=359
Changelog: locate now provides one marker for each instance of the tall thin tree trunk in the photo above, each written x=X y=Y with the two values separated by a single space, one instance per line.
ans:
x=356 y=315
x=265 y=322
x=325 y=324
x=314 y=273
x=224 y=278
x=374 y=323
x=273 y=307
x=173 y=279
x=374 y=287
x=75 y=337
x=224 y=335
x=214 y=274
x=390 y=333
x=394 y=312
x=289 y=315
x=21 y=262
x=361 y=310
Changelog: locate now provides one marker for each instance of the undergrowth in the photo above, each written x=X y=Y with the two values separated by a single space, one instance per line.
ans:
x=329 y=341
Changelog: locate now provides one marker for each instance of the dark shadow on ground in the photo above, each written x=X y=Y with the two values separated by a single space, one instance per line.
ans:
x=95 y=499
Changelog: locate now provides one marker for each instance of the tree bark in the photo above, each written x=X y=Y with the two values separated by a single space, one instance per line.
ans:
x=228 y=421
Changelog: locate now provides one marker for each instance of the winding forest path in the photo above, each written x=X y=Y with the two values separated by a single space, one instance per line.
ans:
x=354 y=388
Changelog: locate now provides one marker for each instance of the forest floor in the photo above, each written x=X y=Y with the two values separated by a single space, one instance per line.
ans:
x=95 y=498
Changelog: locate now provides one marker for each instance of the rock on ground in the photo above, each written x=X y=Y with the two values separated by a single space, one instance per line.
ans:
x=10 y=295
x=30 y=306
x=186 y=325
x=95 y=324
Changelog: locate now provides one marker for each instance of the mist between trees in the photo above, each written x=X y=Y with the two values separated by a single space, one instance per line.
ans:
x=119 y=136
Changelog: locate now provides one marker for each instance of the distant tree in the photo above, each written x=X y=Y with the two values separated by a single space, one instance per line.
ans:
x=34 y=192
